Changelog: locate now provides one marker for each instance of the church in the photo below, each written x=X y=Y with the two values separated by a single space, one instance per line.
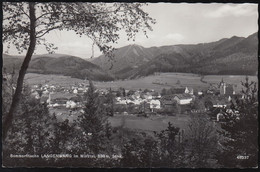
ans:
x=226 y=89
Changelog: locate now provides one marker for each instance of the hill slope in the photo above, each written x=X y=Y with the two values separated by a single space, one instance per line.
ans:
x=59 y=64
x=235 y=55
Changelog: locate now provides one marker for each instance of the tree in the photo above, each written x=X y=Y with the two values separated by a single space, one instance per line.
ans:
x=130 y=92
x=198 y=104
x=208 y=104
x=94 y=136
x=26 y=23
x=239 y=132
x=31 y=132
x=63 y=134
x=201 y=141
x=110 y=103
x=164 y=92
x=162 y=150
x=171 y=152
x=7 y=90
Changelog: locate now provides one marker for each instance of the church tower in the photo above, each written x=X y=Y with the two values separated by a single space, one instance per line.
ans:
x=222 y=87
x=187 y=90
x=49 y=99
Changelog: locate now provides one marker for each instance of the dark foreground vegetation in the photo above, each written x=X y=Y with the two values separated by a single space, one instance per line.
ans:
x=90 y=141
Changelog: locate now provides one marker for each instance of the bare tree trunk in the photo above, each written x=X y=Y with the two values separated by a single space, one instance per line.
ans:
x=19 y=86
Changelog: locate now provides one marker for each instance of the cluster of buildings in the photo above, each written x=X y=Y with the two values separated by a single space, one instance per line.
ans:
x=221 y=95
x=59 y=96
x=71 y=97
x=150 y=98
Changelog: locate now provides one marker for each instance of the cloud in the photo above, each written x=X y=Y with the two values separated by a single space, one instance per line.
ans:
x=237 y=10
x=175 y=36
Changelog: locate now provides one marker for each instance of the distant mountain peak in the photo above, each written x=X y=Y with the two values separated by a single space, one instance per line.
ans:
x=134 y=60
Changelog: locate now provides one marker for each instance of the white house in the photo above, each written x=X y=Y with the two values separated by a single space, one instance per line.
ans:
x=200 y=93
x=188 y=91
x=155 y=104
x=45 y=92
x=219 y=105
x=183 y=99
x=75 y=91
x=121 y=101
x=71 y=104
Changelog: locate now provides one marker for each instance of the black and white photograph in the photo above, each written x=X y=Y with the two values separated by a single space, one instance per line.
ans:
x=129 y=85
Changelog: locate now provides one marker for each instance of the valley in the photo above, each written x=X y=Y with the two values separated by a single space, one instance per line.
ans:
x=156 y=82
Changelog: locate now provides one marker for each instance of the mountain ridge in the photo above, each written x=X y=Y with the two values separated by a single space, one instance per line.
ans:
x=202 y=58
x=234 y=55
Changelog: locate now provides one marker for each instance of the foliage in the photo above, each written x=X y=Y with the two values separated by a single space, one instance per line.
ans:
x=32 y=129
x=130 y=92
x=164 y=92
x=95 y=130
x=162 y=150
x=110 y=103
x=8 y=83
x=240 y=130
x=99 y=21
x=198 y=104
x=63 y=134
x=201 y=141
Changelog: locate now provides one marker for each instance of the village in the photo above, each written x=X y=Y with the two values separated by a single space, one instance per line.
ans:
x=69 y=100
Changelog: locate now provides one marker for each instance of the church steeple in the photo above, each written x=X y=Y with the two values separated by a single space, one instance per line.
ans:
x=222 y=86
x=222 y=82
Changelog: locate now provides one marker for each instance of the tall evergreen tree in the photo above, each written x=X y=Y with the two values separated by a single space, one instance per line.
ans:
x=93 y=123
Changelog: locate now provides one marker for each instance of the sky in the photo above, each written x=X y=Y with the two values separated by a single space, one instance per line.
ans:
x=176 y=23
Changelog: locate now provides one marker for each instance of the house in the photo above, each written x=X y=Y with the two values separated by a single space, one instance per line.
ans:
x=120 y=100
x=45 y=92
x=219 y=105
x=71 y=104
x=60 y=102
x=155 y=104
x=166 y=101
x=80 y=90
x=183 y=99
x=200 y=93
x=188 y=91
x=147 y=96
x=75 y=91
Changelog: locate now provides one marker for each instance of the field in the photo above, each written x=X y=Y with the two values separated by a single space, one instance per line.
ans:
x=156 y=82
x=152 y=123
x=133 y=122
x=33 y=78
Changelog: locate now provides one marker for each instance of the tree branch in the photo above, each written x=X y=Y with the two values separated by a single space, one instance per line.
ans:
x=47 y=31
x=21 y=8
x=43 y=15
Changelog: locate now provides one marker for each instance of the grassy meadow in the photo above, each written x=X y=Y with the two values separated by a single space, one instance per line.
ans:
x=156 y=82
